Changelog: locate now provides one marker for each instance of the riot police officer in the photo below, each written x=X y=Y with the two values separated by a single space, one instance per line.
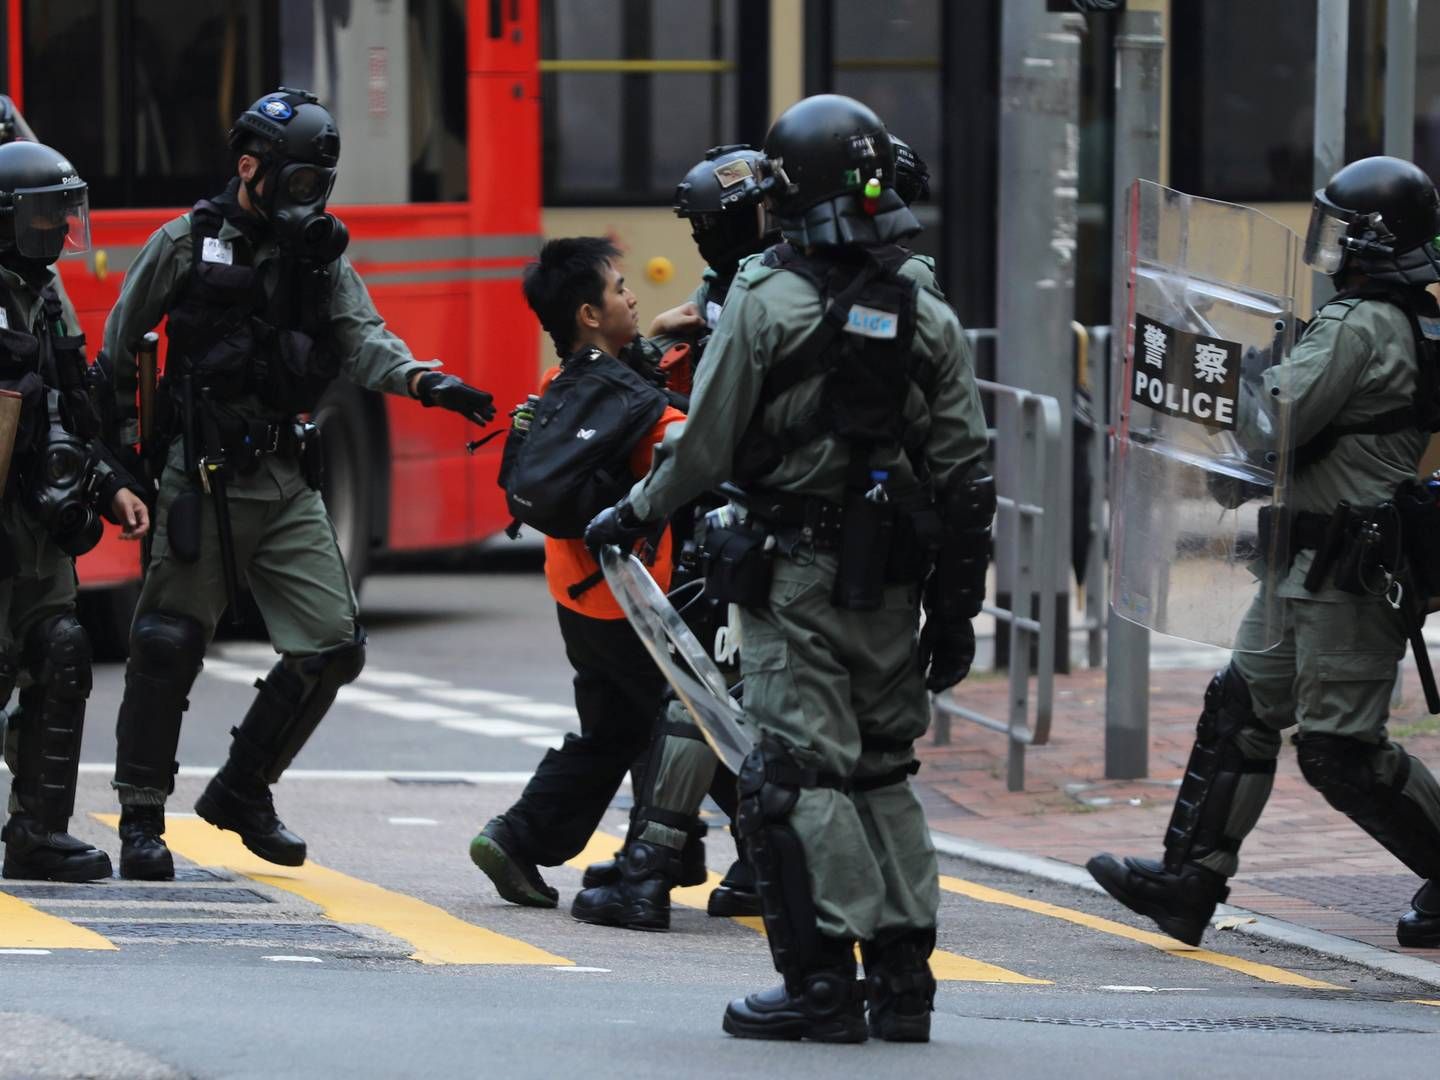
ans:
x=841 y=395
x=54 y=476
x=1362 y=387
x=263 y=310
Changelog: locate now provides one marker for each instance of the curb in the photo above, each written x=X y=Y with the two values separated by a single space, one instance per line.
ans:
x=1255 y=925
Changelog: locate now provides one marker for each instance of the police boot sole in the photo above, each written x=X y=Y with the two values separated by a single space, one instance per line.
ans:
x=210 y=810
x=793 y=1028
x=1182 y=928
x=730 y=903
x=509 y=881
x=91 y=866
x=147 y=867
x=626 y=916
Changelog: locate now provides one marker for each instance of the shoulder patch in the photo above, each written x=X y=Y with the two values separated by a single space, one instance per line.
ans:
x=177 y=228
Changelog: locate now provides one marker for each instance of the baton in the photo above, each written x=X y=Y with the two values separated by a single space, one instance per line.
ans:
x=146 y=364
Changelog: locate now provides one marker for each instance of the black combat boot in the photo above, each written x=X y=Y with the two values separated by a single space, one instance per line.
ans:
x=899 y=986
x=497 y=852
x=1180 y=903
x=241 y=802
x=1419 y=928
x=35 y=852
x=689 y=869
x=143 y=854
x=735 y=895
x=822 y=1001
x=641 y=899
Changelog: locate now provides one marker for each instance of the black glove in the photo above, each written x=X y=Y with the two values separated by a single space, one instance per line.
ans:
x=449 y=392
x=614 y=525
x=947 y=649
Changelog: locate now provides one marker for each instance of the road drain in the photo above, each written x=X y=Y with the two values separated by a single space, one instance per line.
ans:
x=1241 y=1023
x=300 y=935
x=159 y=894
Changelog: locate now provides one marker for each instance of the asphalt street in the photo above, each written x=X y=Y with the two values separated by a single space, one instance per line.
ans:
x=390 y=955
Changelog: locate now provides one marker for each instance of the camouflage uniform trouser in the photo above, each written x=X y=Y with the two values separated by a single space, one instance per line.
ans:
x=821 y=679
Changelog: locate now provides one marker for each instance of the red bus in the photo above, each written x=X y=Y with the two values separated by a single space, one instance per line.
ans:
x=439 y=182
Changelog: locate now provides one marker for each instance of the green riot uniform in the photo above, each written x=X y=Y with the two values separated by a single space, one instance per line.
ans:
x=262 y=311
x=823 y=680
x=43 y=649
x=1361 y=388
x=1334 y=670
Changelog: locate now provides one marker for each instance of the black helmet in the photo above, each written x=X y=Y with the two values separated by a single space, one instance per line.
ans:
x=298 y=146
x=723 y=199
x=833 y=171
x=912 y=177
x=288 y=125
x=1379 y=215
x=44 y=205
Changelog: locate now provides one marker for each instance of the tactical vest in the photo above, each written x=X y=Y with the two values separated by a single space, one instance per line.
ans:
x=29 y=364
x=862 y=348
x=1423 y=413
x=233 y=340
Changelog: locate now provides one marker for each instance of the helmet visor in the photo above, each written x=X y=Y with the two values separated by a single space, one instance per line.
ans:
x=52 y=221
x=1325 y=238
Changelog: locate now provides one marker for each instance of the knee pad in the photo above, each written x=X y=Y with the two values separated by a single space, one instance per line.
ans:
x=166 y=646
x=1343 y=770
x=1228 y=707
x=59 y=653
x=337 y=666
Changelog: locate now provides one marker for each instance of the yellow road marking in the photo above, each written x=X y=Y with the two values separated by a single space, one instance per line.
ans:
x=1163 y=942
x=1421 y=1001
x=26 y=927
x=947 y=966
x=438 y=936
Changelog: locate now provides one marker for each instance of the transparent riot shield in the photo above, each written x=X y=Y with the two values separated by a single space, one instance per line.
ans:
x=699 y=684
x=1203 y=438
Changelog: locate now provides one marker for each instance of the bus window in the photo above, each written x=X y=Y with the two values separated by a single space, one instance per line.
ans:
x=162 y=81
x=438 y=98
x=634 y=92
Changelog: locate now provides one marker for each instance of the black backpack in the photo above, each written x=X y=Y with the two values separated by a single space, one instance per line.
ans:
x=574 y=460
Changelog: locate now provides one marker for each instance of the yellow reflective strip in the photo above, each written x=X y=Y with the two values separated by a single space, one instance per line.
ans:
x=1263 y=972
x=26 y=927
x=947 y=966
x=437 y=936
x=637 y=67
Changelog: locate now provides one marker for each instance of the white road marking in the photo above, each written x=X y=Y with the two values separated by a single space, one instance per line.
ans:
x=549 y=742
x=294 y=959
x=413 y=821
x=582 y=970
x=540 y=710
x=497 y=727
x=459 y=695
x=358 y=695
x=25 y=952
x=417 y=710
x=398 y=680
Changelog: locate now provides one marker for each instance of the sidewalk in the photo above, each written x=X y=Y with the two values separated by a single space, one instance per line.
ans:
x=1305 y=863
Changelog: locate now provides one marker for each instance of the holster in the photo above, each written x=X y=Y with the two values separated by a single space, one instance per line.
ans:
x=739 y=563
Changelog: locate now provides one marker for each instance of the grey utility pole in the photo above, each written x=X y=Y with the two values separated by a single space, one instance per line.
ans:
x=1332 y=47
x=1400 y=19
x=1039 y=177
x=1139 y=70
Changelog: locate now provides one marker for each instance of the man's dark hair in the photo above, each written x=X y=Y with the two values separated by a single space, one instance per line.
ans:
x=569 y=273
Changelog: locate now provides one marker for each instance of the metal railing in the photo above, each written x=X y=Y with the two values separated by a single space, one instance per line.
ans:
x=1032 y=574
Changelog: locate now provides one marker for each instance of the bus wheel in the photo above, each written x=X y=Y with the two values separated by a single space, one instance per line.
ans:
x=346 y=488
x=106 y=615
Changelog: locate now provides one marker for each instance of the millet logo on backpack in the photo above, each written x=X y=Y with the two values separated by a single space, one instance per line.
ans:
x=586 y=433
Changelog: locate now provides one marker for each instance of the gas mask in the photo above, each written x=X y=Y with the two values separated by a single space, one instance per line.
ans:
x=725 y=238
x=294 y=201
x=60 y=487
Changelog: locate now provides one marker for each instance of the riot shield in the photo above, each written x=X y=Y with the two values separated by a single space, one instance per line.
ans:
x=1203 y=438
x=701 y=687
